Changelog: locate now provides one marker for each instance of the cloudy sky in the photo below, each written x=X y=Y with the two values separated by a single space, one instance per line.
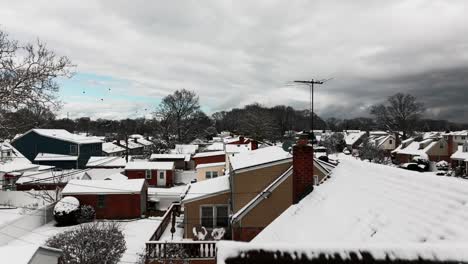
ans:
x=129 y=54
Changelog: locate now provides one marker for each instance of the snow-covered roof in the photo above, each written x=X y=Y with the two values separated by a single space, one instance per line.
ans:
x=144 y=142
x=64 y=135
x=75 y=187
x=258 y=157
x=106 y=174
x=460 y=154
x=150 y=165
x=130 y=144
x=167 y=156
x=215 y=146
x=233 y=148
x=369 y=203
x=340 y=252
x=184 y=149
x=418 y=148
x=104 y=161
x=352 y=138
x=209 y=154
x=209 y=165
x=173 y=191
x=207 y=188
x=54 y=157
x=50 y=176
x=109 y=147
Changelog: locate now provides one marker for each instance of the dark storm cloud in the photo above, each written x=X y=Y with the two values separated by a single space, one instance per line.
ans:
x=238 y=52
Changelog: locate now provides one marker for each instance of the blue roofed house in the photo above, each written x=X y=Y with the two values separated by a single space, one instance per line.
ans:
x=57 y=147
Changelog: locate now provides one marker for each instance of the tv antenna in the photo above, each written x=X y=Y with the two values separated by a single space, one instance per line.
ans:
x=311 y=83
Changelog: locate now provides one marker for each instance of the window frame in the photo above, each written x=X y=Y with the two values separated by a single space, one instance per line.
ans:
x=75 y=147
x=148 y=174
x=215 y=215
x=101 y=201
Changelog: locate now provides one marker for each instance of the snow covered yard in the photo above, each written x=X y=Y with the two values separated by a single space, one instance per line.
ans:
x=8 y=214
x=136 y=233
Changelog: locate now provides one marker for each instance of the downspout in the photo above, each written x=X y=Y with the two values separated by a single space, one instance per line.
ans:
x=78 y=157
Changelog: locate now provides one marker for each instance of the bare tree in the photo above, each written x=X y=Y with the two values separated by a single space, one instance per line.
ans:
x=371 y=152
x=97 y=242
x=399 y=113
x=175 y=113
x=27 y=77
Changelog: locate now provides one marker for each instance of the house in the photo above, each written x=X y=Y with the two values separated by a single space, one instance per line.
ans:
x=353 y=139
x=119 y=199
x=232 y=150
x=160 y=174
x=184 y=149
x=48 y=179
x=60 y=142
x=459 y=160
x=139 y=139
x=210 y=170
x=376 y=207
x=433 y=149
x=112 y=149
x=261 y=184
x=181 y=161
x=240 y=140
x=106 y=162
x=215 y=146
x=459 y=137
x=12 y=165
x=132 y=147
x=61 y=161
x=30 y=254
x=209 y=157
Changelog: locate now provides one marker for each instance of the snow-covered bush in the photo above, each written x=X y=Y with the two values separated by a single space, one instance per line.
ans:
x=218 y=233
x=96 y=242
x=87 y=214
x=67 y=211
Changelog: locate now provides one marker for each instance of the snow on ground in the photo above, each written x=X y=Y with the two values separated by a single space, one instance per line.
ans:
x=179 y=231
x=136 y=233
x=9 y=214
x=370 y=203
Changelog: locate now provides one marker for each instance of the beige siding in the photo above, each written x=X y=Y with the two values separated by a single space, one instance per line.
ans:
x=201 y=172
x=247 y=185
x=439 y=149
x=269 y=209
x=387 y=145
x=192 y=211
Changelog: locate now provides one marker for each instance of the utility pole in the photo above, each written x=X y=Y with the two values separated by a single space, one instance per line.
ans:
x=311 y=84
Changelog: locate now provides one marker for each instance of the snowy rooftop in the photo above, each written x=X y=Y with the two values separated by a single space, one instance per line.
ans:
x=130 y=144
x=104 y=161
x=167 y=156
x=109 y=147
x=206 y=188
x=209 y=154
x=104 y=174
x=54 y=157
x=215 y=146
x=369 y=203
x=184 y=149
x=62 y=134
x=103 y=187
x=209 y=165
x=351 y=138
x=144 y=142
x=460 y=154
x=50 y=176
x=237 y=148
x=417 y=148
x=258 y=157
x=150 y=165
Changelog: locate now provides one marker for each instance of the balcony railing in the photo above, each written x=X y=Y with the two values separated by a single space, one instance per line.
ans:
x=181 y=250
x=165 y=222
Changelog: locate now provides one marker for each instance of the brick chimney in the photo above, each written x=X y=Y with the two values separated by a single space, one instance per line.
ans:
x=303 y=169
x=253 y=144
x=451 y=147
x=241 y=140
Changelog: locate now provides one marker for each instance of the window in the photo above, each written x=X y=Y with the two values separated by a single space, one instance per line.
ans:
x=211 y=174
x=316 y=180
x=73 y=149
x=214 y=216
x=391 y=141
x=101 y=201
x=441 y=145
x=161 y=175
x=148 y=174
x=463 y=138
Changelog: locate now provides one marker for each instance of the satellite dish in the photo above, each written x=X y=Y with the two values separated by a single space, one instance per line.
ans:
x=287 y=145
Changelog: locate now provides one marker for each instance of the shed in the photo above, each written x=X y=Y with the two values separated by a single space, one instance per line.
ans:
x=159 y=174
x=118 y=199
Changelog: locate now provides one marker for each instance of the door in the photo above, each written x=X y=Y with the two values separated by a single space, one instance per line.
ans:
x=161 y=182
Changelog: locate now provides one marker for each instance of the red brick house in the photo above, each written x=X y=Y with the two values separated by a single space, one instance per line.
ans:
x=160 y=174
x=123 y=199
x=209 y=157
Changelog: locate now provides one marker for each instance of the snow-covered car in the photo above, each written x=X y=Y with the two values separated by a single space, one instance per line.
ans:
x=412 y=166
x=346 y=152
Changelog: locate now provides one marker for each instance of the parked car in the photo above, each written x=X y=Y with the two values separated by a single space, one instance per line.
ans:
x=412 y=166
